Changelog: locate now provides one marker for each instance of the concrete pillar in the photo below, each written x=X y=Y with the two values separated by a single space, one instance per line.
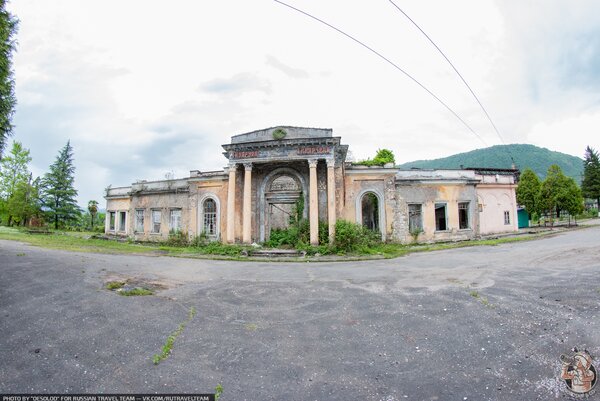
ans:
x=314 y=203
x=247 y=216
x=230 y=204
x=331 y=207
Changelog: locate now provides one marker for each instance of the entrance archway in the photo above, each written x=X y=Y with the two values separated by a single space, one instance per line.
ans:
x=279 y=192
x=370 y=211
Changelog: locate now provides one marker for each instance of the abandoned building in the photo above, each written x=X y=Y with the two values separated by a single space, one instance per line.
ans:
x=270 y=170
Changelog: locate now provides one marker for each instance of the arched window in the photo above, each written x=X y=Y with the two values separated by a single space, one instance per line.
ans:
x=209 y=209
x=370 y=211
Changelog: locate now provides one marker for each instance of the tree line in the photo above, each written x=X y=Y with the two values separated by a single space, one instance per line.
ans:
x=51 y=198
x=558 y=192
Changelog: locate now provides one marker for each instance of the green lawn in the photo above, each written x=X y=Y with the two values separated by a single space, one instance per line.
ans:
x=82 y=242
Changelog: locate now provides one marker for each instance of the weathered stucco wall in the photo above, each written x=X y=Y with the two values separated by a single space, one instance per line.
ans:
x=117 y=205
x=164 y=203
x=494 y=201
x=427 y=195
x=359 y=182
x=201 y=191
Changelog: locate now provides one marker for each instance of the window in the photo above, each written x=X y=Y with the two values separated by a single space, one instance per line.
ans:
x=175 y=220
x=440 y=217
x=506 y=217
x=415 y=218
x=463 y=215
x=156 y=221
x=139 y=220
x=210 y=217
x=122 y=220
x=111 y=223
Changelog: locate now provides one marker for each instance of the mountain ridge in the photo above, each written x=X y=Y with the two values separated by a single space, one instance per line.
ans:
x=499 y=156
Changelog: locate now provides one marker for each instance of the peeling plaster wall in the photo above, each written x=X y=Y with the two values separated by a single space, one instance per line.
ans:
x=165 y=203
x=357 y=183
x=216 y=189
x=494 y=200
x=117 y=205
x=428 y=194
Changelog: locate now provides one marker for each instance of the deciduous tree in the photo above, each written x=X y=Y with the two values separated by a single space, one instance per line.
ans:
x=528 y=191
x=14 y=170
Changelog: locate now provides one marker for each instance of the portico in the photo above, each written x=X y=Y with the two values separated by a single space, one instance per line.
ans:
x=281 y=167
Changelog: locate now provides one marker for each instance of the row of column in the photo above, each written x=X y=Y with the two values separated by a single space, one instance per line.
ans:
x=313 y=205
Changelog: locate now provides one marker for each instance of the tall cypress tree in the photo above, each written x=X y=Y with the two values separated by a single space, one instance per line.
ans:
x=590 y=185
x=58 y=188
x=8 y=28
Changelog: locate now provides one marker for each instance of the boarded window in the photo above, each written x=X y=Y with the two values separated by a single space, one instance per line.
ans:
x=506 y=217
x=463 y=215
x=175 y=220
x=111 y=223
x=139 y=220
x=210 y=217
x=122 y=220
x=415 y=218
x=156 y=221
x=441 y=223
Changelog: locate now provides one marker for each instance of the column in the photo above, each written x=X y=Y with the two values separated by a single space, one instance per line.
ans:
x=247 y=220
x=230 y=204
x=331 y=209
x=313 y=210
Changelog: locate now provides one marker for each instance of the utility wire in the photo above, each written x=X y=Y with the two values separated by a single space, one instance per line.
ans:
x=388 y=61
x=457 y=72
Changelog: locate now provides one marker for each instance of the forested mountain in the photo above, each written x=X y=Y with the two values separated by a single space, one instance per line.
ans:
x=536 y=158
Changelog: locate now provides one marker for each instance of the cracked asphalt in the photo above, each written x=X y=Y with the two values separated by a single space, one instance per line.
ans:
x=479 y=323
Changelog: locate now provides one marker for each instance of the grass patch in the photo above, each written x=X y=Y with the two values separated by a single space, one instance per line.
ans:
x=113 y=285
x=218 y=391
x=21 y=254
x=168 y=347
x=134 y=292
x=474 y=294
x=84 y=242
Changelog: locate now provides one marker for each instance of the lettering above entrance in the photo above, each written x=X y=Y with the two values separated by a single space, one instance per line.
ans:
x=282 y=152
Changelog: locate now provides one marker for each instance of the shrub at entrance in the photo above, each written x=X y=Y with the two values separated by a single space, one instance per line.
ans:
x=351 y=237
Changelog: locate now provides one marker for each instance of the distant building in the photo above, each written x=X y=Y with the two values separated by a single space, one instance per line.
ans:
x=270 y=170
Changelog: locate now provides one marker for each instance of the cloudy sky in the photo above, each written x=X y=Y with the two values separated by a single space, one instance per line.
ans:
x=145 y=88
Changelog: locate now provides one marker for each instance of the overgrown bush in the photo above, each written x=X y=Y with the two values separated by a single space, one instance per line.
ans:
x=177 y=238
x=351 y=237
x=382 y=157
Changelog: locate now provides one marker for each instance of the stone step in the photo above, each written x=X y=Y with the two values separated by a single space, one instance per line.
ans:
x=275 y=253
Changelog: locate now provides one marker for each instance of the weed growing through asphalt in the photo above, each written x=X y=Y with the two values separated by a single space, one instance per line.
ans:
x=251 y=326
x=20 y=254
x=168 y=347
x=113 y=285
x=135 y=292
x=483 y=300
x=218 y=391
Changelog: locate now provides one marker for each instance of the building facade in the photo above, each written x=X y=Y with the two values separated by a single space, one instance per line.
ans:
x=271 y=171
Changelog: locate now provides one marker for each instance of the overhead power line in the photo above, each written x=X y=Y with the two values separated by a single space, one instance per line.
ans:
x=457 y=72
x=389 y=62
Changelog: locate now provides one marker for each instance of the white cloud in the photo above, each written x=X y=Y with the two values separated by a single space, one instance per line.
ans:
x=146 y=87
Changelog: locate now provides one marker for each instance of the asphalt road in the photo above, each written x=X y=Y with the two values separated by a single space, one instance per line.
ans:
x=481 y=323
